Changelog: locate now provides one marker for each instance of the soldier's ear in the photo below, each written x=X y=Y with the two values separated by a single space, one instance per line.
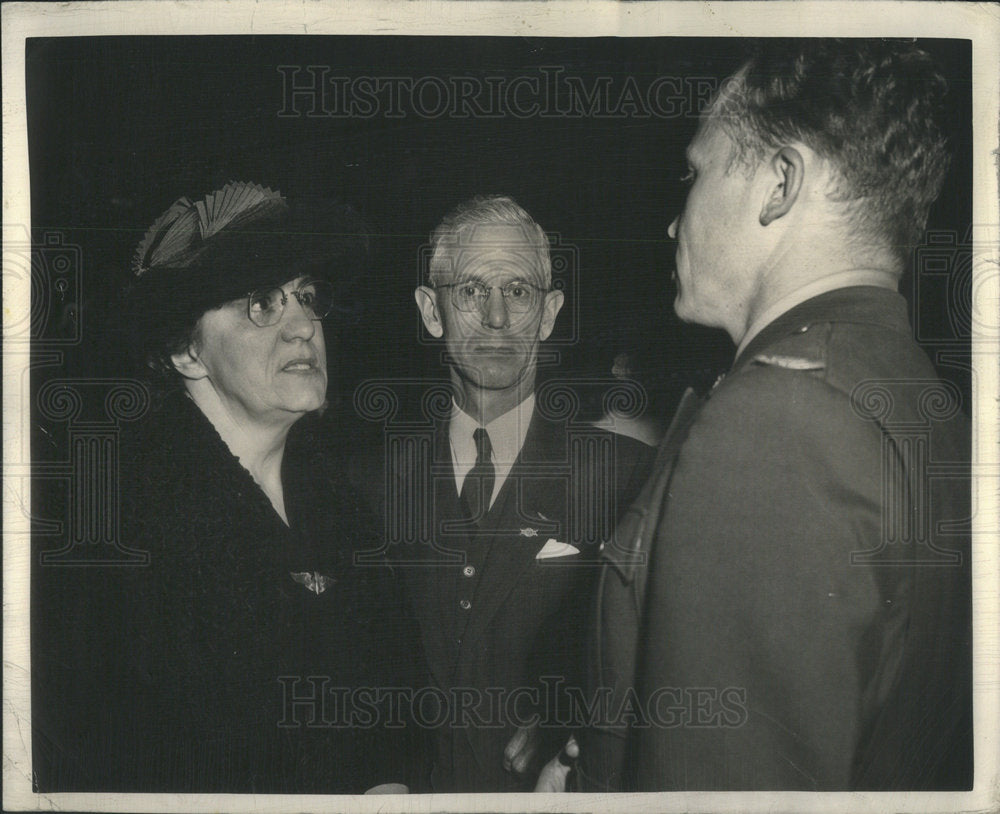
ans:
x=550 y=310
x=785 y=171
x=426 y=299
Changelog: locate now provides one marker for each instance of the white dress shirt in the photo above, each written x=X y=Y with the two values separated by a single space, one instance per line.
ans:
x=507 y=433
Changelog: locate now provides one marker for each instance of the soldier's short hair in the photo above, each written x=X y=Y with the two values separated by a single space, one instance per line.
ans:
x=872 y=108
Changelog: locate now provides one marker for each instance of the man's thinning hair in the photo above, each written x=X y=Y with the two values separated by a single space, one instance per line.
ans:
x=484 y=210
x=872 y=108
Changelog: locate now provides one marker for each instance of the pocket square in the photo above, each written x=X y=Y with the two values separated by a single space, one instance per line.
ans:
x=553 y=548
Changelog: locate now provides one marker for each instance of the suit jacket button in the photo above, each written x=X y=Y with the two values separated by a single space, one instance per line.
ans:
x=465 y=604
x=469 y=571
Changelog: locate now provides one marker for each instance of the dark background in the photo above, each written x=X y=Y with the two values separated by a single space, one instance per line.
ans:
x=119 y=127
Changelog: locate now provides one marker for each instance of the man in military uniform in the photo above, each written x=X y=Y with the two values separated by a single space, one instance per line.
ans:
x=788 y=607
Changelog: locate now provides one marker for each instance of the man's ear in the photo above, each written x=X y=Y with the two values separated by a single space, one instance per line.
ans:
x=786 y=168
x=426 y=299
x=550 y=310
x=188 y=364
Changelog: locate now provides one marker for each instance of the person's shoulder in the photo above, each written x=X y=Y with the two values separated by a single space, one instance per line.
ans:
x=827 y=391
x=166 y=449
x=843 y=353
x=794 y=389
x=171 y=424
x=773 y=435
x=622 y=441
x=558 y=432
x=853 y=371
x=632 y=454
x=335 y=454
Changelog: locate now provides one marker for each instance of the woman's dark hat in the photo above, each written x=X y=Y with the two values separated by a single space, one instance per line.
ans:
x=201 y=254
x=245 y=236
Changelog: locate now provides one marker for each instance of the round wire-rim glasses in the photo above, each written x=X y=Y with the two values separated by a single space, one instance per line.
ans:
x=471 y=296
x=265 y=306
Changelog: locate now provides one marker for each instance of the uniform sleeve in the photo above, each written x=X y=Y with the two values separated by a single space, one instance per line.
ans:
x=752 y=657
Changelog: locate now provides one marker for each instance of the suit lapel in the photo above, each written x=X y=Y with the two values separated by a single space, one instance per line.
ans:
x=449 y=522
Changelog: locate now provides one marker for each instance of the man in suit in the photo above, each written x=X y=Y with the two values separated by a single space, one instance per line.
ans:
x=789 y=605
x=521 y=497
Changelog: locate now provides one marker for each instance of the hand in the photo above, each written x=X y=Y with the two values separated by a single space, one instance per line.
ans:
x=553 y=776
x=520 y=752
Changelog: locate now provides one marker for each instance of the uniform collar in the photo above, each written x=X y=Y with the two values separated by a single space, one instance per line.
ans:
x=833 y=282
x=863 y=303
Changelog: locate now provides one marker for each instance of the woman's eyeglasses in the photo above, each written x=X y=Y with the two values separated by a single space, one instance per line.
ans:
x=266 y=305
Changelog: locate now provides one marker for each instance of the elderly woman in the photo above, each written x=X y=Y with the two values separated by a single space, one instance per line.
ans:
x=232 y=662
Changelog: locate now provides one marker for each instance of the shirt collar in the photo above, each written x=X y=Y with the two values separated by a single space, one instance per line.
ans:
x=507 y=432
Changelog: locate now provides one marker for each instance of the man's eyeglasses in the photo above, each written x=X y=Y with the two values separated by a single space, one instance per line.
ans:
x=266 y=305
x=472 y=296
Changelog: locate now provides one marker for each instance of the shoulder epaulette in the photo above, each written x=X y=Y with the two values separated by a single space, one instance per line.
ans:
x=788 y=362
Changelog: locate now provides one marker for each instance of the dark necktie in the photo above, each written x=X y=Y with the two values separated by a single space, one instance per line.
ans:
x=477 y=488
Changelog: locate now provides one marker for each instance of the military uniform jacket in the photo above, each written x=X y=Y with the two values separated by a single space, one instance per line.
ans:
x=502 y=629
x=788 y=604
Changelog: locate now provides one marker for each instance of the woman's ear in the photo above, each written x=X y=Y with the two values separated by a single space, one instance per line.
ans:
x=427 y=305
x=787 y=168
x=188 y=364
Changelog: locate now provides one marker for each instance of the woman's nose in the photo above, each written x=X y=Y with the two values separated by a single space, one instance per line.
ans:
x=672 y=229
x=297 y=322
